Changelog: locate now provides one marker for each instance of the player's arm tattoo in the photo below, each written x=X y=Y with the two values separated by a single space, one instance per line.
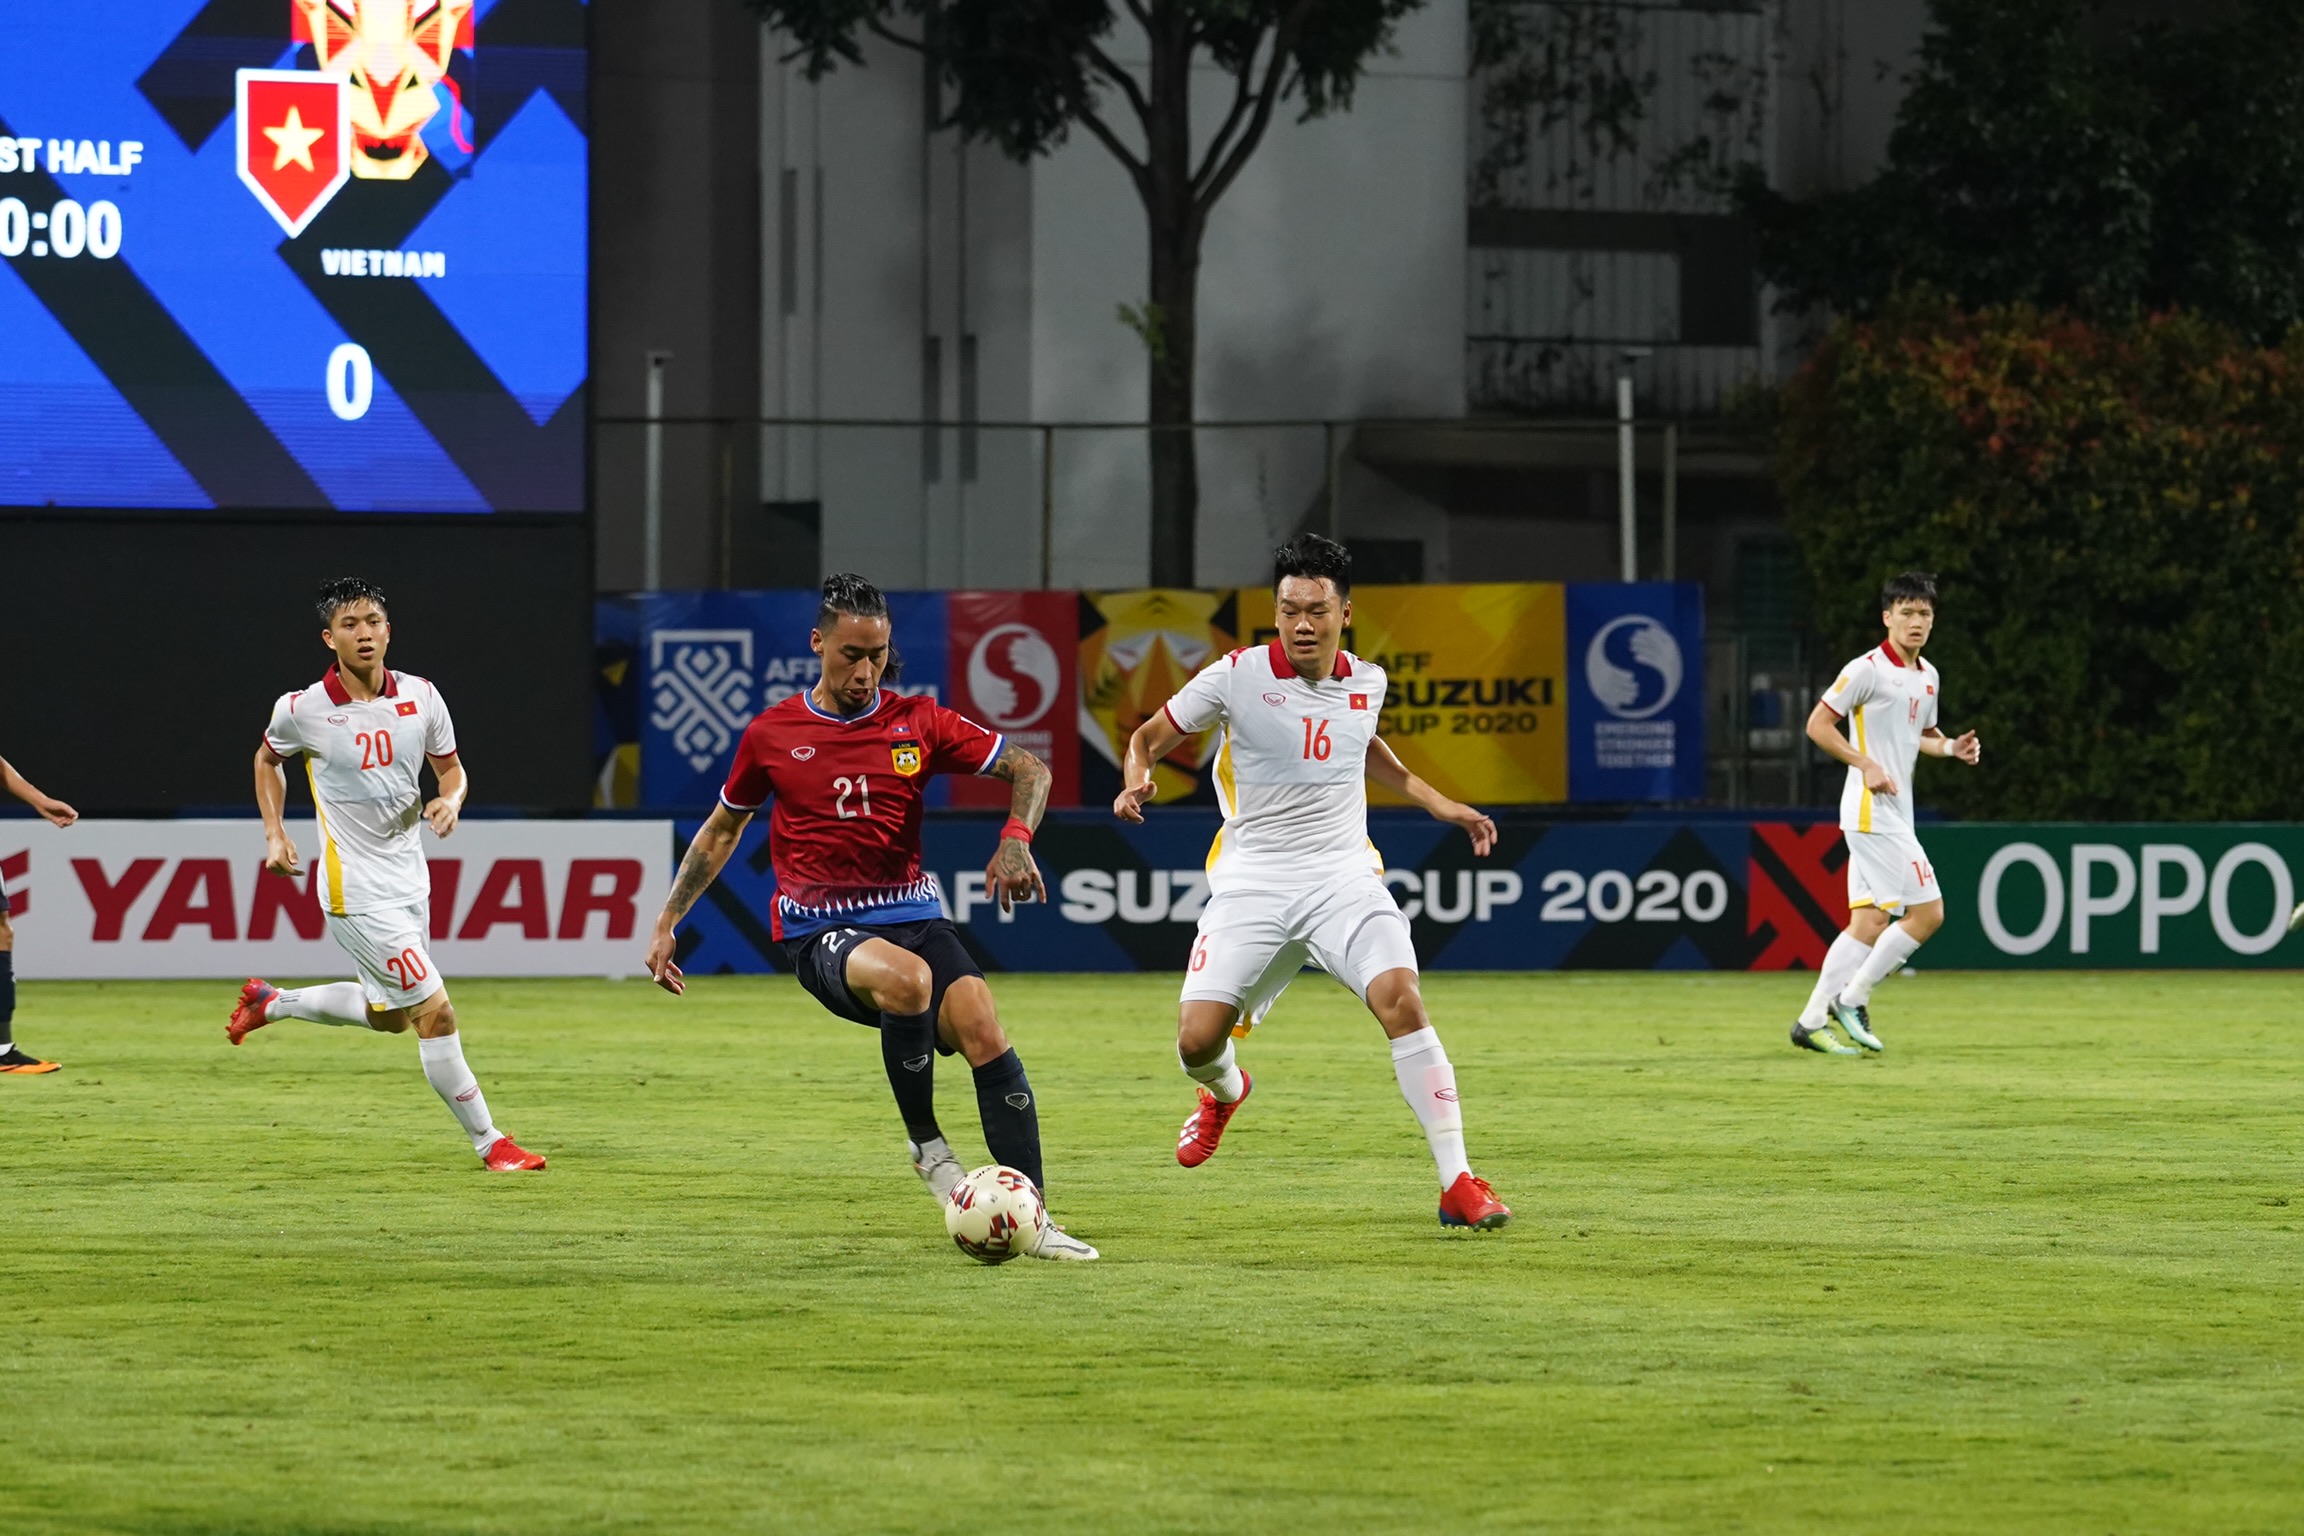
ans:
x=714 y=842
x=1031 y=779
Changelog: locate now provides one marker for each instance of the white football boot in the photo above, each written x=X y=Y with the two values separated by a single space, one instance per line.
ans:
x=1056 y=1243
x=937 y=1167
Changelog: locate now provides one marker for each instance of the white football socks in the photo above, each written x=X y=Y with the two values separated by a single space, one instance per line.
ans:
x=444 y=1069
x=1889 y=953
x=1846 y=956
x=1428 y=1083
x=1220 y=1077
x=339 y=1003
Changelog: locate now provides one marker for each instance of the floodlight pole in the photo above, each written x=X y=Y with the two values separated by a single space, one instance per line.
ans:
x=1627 y=504
x=652 y=535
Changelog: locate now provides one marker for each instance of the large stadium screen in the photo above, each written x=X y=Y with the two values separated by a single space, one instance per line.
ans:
x=293 y=254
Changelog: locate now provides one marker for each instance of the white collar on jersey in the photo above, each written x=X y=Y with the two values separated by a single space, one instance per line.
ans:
x=809 y=699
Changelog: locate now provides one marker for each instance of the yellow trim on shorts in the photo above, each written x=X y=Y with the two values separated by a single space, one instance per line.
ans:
x=330 y=861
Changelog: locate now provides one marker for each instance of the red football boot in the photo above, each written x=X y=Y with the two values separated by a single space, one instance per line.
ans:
x=248 y=1013
x=504 y=1155
x=1196 y=1143
x=1471 y=1203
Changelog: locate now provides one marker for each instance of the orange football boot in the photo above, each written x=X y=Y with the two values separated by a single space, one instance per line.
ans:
x=1471 y=1203
x=248 y=1013
x=1196 y=1143
x=23 y=1063
x=504 y=1155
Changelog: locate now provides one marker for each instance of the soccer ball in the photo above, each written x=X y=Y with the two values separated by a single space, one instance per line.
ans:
x=994 y=1214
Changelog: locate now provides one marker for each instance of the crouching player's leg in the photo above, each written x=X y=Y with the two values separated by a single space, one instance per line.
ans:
x=899 y=979
x=1360 y=937
x=1242 y=960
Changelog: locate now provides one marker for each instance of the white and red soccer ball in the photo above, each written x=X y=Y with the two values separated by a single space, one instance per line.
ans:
x=994 y=1214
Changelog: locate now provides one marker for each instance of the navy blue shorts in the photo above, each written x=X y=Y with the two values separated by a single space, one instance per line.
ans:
x=821 y=961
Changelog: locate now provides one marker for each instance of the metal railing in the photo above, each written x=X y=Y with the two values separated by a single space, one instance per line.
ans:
x=1003 y=502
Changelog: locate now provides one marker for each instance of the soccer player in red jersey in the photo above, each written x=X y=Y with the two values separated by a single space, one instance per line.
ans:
x=13 y=1060
x=845 y=763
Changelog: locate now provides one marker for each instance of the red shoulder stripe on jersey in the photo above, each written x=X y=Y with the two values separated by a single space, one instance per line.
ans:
x=1234 y=658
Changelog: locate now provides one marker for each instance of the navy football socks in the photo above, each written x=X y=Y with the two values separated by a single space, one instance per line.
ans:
x=1011 y=1120
x=908 y=1052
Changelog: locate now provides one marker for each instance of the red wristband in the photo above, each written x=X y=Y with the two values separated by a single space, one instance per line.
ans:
x=1016 y=829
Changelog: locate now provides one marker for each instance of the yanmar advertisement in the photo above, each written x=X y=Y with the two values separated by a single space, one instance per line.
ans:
x=192 y=898
x=296 y=254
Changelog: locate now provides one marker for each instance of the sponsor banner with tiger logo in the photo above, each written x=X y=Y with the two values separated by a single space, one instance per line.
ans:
x=1475 y=701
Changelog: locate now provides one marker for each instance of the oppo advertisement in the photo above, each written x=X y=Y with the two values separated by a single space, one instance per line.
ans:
x=293 y=254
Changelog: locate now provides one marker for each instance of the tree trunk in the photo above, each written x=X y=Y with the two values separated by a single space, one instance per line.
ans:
x=1172 y=308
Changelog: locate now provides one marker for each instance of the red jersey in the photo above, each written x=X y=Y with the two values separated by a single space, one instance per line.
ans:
x=845 y=834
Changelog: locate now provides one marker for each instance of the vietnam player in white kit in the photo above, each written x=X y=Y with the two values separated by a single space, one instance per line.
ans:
x=1293 y=875
x=1888 y=696
x=365 y=732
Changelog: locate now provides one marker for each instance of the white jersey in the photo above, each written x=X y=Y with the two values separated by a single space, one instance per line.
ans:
x=362 y=758
x=1291 y=773
x=1888 y=706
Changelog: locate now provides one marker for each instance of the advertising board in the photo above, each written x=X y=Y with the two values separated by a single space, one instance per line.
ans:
x=118 y=899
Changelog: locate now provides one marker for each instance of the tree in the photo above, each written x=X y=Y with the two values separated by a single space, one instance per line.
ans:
x=2116 y=512
x=2045 y=156
x=1024 y=73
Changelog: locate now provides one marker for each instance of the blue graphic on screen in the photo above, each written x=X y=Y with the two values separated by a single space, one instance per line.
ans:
x=293 y=254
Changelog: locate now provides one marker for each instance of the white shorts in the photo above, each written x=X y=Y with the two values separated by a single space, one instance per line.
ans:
x=388 y=946
x=1252 y=943
x=1889 y=870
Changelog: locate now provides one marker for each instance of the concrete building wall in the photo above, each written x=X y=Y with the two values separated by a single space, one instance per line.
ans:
x=676 y=263
x=956 y=284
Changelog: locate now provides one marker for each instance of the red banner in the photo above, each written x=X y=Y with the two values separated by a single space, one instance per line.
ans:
x=1014 y=660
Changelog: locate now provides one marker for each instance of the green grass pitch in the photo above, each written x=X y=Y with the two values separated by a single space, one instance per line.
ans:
x=2037 y=1269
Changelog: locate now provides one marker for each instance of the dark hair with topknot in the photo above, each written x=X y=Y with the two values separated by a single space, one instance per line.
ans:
x=1912 y=586
x=847 y=592
x=1310 y=555
x=345 y=590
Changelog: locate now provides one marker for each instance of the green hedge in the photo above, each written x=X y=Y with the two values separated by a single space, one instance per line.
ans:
x=2114 y=513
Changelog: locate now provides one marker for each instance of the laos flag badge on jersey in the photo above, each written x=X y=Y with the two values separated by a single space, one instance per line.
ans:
x=906 y=756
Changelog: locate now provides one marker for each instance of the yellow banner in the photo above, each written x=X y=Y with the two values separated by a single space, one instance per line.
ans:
x=1136 y=649
x=1476 y=702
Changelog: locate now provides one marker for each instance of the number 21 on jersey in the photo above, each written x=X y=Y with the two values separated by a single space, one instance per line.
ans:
x=861 y=787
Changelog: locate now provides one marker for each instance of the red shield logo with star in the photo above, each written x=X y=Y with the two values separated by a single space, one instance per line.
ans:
x=294 y=132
